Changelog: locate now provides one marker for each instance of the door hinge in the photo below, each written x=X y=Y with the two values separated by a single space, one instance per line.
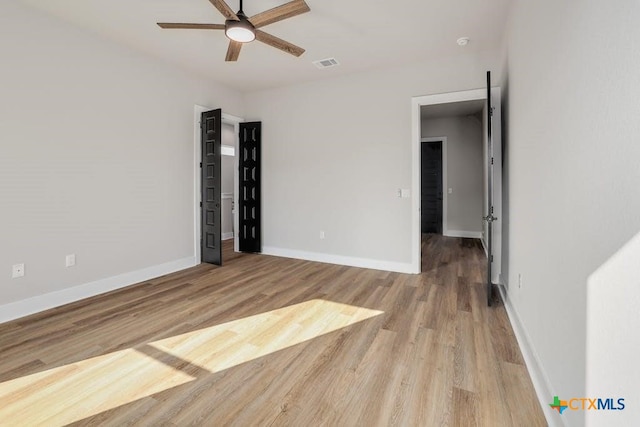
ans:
x=491 y=111
x=491 y=258
x=200 y=204
x=201 y=124
x=200 y=165
x=491 y=162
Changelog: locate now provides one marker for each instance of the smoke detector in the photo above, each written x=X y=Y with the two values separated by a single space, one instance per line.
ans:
x=463 y=41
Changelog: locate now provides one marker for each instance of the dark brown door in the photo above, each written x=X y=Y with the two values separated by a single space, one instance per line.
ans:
x=211 y=239
x=249 y=187
x=489 y=217
x=431 y=187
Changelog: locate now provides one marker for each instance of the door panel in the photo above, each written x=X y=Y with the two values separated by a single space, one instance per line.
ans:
x=249 y=198
x=431 y=187
x=489 y=217
x=211 y=134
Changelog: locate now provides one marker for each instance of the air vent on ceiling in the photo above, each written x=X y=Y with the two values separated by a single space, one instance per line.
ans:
x=326 y=63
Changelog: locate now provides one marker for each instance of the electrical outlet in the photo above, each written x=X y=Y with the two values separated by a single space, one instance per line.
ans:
x=519 y=281
x=322 y=235
x=17 y=271
x=70 y=260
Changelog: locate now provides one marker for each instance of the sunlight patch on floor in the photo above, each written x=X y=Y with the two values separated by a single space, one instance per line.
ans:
x=222 y=346
x=72 y=392
x=69 y=393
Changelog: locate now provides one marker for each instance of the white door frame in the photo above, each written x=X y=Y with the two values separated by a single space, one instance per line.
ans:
x=197 y=157
x=444 y=179
x=416 y=138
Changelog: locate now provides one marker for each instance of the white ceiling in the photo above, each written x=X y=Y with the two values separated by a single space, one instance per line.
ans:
x=360 y=34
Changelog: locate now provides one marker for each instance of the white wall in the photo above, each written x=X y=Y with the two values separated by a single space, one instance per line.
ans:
x=96 y=156
x=336 y=151
x=464 y=170
x=574 y=200
x=613 y=344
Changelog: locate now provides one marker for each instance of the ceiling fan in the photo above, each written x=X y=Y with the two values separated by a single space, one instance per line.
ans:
x=241 y=29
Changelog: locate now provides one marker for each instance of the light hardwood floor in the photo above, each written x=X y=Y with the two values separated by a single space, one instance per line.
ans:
x=268 y=341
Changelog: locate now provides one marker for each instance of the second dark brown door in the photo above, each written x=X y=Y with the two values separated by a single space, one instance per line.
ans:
x=249 y=187
x=431 y=187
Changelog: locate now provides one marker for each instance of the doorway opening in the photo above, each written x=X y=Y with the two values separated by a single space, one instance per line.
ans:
x=464 y=184
x=228 y=184
x=230 y=179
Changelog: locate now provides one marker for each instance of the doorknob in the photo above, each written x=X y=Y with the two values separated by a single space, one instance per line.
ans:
x=489 y=218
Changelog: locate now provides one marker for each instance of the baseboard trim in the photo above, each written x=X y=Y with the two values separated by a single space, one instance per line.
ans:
x=539 y=378
x=227 y=236
x=461 y=233
x=399 y=267
x=22 y=308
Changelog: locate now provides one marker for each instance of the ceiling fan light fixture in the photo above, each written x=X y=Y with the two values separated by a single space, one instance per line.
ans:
x=240 y=31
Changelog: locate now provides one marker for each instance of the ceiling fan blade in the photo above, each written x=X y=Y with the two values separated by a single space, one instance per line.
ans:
x=233 y=51
x=186 y=26
x=287 y=10
x=278 y=43
x=224 y=9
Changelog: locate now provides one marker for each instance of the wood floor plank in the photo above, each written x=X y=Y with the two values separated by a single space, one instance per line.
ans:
x=515 y=380
x=270 y=341
x=465 y=365
x=465 y=408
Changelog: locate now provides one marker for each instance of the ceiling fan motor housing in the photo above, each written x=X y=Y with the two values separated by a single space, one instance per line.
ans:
x=241 y=30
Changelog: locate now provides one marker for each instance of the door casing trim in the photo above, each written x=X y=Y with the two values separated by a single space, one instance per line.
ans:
x=444 y=98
